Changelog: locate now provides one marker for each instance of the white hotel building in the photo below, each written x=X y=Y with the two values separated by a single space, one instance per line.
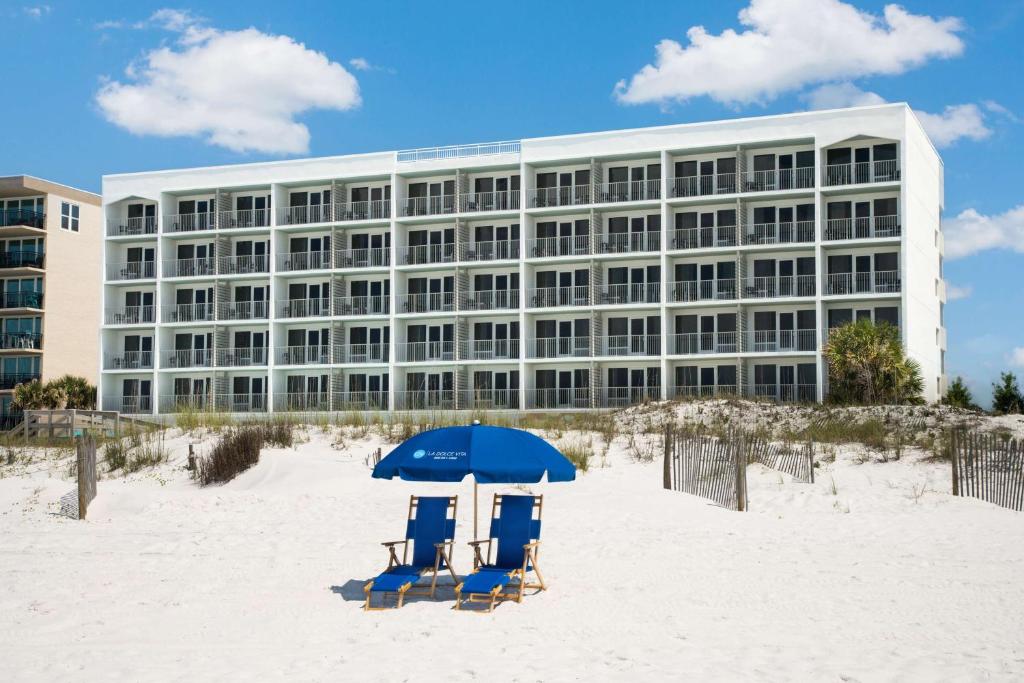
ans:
x=569 y=272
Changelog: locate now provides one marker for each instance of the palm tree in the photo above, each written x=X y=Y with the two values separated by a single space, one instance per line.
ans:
x=78 y=393
x=866 y=364
x=35 y=395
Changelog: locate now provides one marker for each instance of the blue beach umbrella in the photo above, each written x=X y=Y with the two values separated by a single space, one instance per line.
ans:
x=493 y=455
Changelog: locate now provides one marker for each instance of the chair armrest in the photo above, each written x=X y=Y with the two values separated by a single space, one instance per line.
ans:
x=393 y=543
x=476 y=543
x=531 y=544
x=444 y=543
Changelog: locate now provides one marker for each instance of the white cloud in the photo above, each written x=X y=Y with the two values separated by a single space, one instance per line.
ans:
x=840 y=95
x=957 y=121
x=37 y=11
x=954 y=293
x=359 y=63
x=788 y=45
x=237 y=89
x=1017 y=357
x=971 y=232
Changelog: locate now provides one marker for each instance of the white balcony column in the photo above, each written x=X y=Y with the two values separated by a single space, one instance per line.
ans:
x=392 y=276
x=524 y=333
x=666 y=216
x=820 y=220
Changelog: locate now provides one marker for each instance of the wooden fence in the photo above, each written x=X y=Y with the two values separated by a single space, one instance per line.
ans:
x=86 y=473
x=796 y=460
x=988 y=467
x=708 y=467
x=67 y=424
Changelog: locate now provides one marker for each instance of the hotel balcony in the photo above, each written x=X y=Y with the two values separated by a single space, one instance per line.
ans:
x=304 y=355
x=558 y=399
x=362 y=258
x=693 y=343
x=27 y=218
x=553 y=297
x=129 y=405
x=129 y=315
x=778 y=179
x=33 y=300
x=778 y=286
x=305 y=308
x=704 y=238
x=362 y=353
x=570 y=195
x=131 y=227
x=490 y=399
x=861 y=173
x=629 y=191
x=243 y=218
x=189 y=222
x=490 y=300
x=558 y=347
x=781 y=341
x=506 y=200
x=704 y=290
x=187 y=313
x=361 y=400
x=309 y=214
x=374 y=210
x=868 y=227
x=425 y=400
x=427 y=206
x=620 y=397
x=490 y=349
x=422 y=352
x=424 y=254
x=877 y=282
x=362 y=305
x=242 y=357
x=243 y=310
x=704 y=391
x=701 y=185
x=571 y=245
x=189 y=267
x=131 y=270
x=187 y=358
x=243 y=265
x=629 y=345
x=303 y=401
x=128 y=360
x=622 y=243
x=643 y=293
x=428 y=302
x=179 y=403
x=789 y=232
x=22 y=258
x=783 y=393
x=9 y=381
x=490 y=251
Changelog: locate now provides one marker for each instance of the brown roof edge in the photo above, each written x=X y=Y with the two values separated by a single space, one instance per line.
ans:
x=11 y=186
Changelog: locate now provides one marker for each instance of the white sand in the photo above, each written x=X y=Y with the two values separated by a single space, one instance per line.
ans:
x=890 y=578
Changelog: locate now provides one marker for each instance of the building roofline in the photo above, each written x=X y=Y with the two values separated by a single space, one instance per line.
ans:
x=32 y=183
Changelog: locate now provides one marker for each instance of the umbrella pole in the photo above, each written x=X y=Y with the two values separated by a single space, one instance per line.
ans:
x=476 y=516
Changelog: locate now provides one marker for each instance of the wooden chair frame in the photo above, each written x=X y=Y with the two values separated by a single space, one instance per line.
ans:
x=443 y=551
x=530 y=552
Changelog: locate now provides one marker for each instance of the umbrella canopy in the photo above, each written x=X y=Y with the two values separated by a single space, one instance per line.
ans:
x=493 y=455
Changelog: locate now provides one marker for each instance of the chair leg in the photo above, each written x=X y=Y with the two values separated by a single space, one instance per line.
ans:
x=366 y=589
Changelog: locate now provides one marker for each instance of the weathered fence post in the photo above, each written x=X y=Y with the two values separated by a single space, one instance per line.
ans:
x=86 y=473
x=740 y=458
x=191 y=458
x=953 y=456
x=666 y=476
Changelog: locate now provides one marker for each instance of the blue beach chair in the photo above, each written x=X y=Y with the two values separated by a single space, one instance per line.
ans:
x=430 y=530
x=514 y=543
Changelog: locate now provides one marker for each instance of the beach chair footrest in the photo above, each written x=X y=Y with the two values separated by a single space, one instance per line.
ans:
x=486 y=580
x=395 y=578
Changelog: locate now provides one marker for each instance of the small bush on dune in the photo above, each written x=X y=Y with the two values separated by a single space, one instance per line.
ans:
x=235 y=452
x=579 y=454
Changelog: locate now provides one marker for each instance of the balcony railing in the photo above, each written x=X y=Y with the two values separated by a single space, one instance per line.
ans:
x=189 y=222
x=784 y=393
x=189 y=267
x=620 y=243
x=459 y=151
x=571 y=245
x=243 y=310
x=128 y=360
x=630 y=345
x=862 y=228
x=425 y=400
x=490 y=349
x=21 y=299
x=178 y=403
x=243 y=264
x=241 y=403
x=779 y=233
x=696 y=186
x=129 y=405
x=772 y=341
x=131 y=270
x=551 y=297
x=558 y=398
x=505 y=200
x=307 y=400
x=629 y=191
x=571 y=195
x=22 y=217
x=187 y=358
x=775 y=286
x=244 y=218
x=490 y=399
x=558 y=347
x=490 y=300
x=136 y=225
x=618 y=397
x=778 y=179
x=362 y=353
x=361 y=400
x=431 y=301
x=707 y=390
x=642 y=293
x=22 y=258
x=862 y=172
x=183 y=313
x=490 y=251
x=427 y=206
x=703 y=290
x=21 y=341
x=691 y=343
x=704 y=238
x=378 y=209
x=362 y=258
x=9 y=381
x=241 y=356
x=305 y=308
x=878 y=282
x=304 y=260
x=129 y=315
x=362 y=305
x=303 y=215
x=427 y=253
x=421 y=352
x=305 y=355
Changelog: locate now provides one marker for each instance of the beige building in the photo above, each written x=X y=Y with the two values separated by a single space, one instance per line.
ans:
x=50 y=242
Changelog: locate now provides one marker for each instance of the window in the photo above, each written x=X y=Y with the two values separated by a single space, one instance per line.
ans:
x=69 y=216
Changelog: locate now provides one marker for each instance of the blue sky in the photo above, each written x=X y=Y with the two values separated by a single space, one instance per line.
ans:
x=397 y=75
